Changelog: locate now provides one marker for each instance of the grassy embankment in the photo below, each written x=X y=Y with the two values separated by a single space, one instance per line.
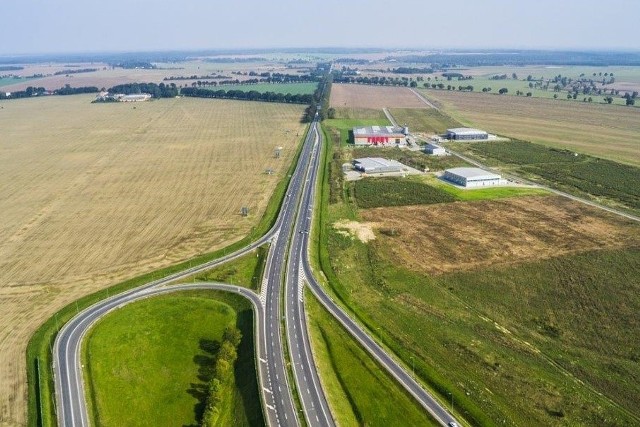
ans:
x=359 y=391
x=498 y=365
x=245 y=271
x=175 y=339
x=41 y=405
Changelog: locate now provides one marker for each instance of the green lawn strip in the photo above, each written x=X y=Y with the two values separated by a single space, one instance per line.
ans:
x=41 y=398
x=484 y=193
x=170 y=343
x=245 y=271
x=284 y=88
x=360 y=392
x=428 y=120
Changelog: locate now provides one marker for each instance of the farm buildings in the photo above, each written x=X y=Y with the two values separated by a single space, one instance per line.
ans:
x=466 y=134
x=379 y=135
x=376 y=165
x=472 y=177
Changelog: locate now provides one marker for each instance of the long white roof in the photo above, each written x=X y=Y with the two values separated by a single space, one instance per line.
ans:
x=466 y=131
x=473 y=174
x=377 y=131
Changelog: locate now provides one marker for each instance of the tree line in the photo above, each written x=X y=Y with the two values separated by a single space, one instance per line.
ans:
x=155 y=90
x=252 y=95
x=41 y=91
x=220 y=387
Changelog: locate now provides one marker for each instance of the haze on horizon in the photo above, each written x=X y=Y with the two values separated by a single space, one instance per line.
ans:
x=66 y=26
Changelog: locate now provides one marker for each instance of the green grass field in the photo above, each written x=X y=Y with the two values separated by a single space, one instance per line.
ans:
x=483 y=193
x=359 y=391
x=245 y=271
x=10 y=81
x=174 y=339
x=284 y=88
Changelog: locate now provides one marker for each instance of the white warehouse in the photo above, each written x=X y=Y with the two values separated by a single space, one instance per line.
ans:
x=472 y=177
x=435 y=150
x=467 y=134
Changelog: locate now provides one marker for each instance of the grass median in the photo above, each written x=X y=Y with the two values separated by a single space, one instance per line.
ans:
x=157 y=355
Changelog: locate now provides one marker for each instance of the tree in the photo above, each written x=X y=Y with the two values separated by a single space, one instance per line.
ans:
x=503 y=90
x=555 y=96
x=630 y=101
x=608 y=100
x=529 y=94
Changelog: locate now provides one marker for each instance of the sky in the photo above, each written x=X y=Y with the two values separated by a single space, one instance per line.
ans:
x=65 y=26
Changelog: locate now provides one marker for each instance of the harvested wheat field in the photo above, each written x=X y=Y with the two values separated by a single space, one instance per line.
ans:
x=460 y=236
x=376 y=97
x=92 y=194
x=607 y=131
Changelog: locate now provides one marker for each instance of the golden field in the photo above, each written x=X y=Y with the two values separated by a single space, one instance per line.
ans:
x=92 y=194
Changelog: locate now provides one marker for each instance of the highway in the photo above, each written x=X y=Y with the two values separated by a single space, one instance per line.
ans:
x=287 y=264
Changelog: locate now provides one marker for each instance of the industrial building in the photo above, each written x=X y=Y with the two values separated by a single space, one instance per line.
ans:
x=466 y=134
x=435 y=150
x=472 y=177
x=380 y=135
x=373 y=165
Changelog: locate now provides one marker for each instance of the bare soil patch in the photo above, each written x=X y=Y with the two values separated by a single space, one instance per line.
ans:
x=93 y=194
x=377 y=97
x=363 y=231
x=460 y=236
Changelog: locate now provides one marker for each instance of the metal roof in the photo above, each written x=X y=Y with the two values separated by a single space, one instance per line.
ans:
x=377 y=131
x=377 y=163
x=466 y=131
x=473 y=174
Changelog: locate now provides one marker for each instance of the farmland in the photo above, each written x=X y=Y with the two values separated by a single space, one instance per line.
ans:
x=175 y=339
x=373 y=97
x=371 y=193
x=87 y=204
x=610 y=132
x=424 y=120
x=421 y=284
x=603 y=179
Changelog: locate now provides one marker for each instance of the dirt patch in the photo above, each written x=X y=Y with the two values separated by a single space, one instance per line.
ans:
x=459 y=236
x=361 y=230
x=378 y=97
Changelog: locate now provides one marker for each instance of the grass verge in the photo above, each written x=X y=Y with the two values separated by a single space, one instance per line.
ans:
x=245 y=271
x=40 y=386
x=359 y=391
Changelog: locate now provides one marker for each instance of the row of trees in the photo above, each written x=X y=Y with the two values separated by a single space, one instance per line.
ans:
x=221 y=386
x=251 y=95
x=155 y=90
